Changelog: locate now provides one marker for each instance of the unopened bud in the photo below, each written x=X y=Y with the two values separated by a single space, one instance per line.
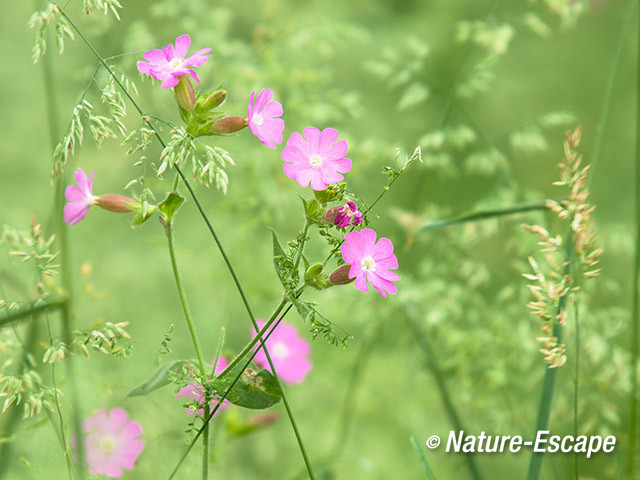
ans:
x=312 y=272
x=115 y=203
x=229 y=125
x=330 y=215
x=215 y=99
x=340 y=276
x=185 y=95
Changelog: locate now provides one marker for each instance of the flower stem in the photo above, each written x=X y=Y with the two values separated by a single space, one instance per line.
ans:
x=226 y=393
x=196 y=343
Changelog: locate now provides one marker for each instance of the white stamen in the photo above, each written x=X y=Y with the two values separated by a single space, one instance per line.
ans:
x=368 y=264
x=257 y=119
x=280 y=350
x=316 y=161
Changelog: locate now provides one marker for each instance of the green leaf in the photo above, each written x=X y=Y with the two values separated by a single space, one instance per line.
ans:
x=170 y=206
x=303 y=308
x=254 y=389
x=159 y=379
x=281 y=261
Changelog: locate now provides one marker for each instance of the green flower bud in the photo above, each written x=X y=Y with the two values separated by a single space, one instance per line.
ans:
x=312 y=272
x=229 y=125
x=185 y=95
x=214 y=100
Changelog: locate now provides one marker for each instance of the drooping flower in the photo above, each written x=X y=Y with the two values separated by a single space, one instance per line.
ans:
x=289 y=353
x=343 y=215
x=262 y=116
x=315 y=159
x=80 y=197
x=111 y=442
x=168 y=64
x=195 y=392
x=370 y=261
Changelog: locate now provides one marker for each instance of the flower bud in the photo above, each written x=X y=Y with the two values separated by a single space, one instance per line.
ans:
x=115 y=203
x=312 y=272
x=340 y=276
x=215 y=99
x=185 y=95
x=330 y=215
x=229 y=125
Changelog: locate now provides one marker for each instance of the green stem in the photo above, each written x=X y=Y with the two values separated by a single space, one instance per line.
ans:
x=183 y=299
x=423 y=460
x=76 y=411
x=482 y=215
x=196 y=343
x=260 y=332
x=226 y=393
x=608 y=96
x=67 y=453
x=425 y=346
x=39 y=306
x=548 y=384
x=576 y=384
x=635 y=315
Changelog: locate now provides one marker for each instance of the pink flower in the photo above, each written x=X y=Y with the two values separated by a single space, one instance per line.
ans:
x=80 y=198
x=289 y=353
x=262 y=118
x=370 y=261
x=169 y=63
x=315 y=159
x=348 y=215
x=111 y=443
x=194 y=391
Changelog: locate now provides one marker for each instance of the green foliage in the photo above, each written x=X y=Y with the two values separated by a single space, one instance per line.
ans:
x=254 y=388
x=162 y=377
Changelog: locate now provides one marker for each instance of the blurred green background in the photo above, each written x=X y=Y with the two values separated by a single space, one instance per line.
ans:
x=487 y=89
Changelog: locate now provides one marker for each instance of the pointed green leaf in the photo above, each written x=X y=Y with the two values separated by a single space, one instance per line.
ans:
x=159 y=379
x=254 y=389
x=171 y=205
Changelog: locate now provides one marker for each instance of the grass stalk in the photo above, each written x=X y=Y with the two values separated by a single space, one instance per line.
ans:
x=635 y=314
x=452 y=413
x=549 y=381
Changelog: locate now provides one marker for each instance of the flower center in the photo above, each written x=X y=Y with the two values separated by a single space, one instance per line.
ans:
x=107 y=444
x=316 y=161
x=257 y=119
x=368 y=264
x=175 y=63
x=280 y=350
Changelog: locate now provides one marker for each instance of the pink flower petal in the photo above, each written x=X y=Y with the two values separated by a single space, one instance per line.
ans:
x=183 y=42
